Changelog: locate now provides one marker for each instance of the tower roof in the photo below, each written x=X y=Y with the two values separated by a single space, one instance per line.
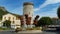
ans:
x=28 y=3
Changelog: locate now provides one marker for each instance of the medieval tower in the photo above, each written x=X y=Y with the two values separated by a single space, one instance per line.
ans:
x=28 y=9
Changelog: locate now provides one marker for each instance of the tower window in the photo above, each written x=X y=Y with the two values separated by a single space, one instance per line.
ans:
x=29 y=12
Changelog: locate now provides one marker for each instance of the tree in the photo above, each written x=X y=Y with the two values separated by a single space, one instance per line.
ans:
x=3 y=11
x=7 y=23
x=36 y=20
x=28 y=21
x=58 y=12
x=44 y=21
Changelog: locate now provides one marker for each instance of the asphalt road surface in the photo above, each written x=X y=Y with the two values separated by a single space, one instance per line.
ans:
x=11 y=32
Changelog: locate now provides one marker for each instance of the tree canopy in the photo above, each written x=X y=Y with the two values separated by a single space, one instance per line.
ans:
x=7 y=23
x=36 y=20
x=2 y=12
x=58 y=12
x=44 y=21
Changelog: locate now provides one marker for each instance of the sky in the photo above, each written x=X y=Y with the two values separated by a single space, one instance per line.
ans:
x=41 y=7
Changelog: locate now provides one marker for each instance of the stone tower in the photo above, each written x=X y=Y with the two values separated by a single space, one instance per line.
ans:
x=28 y=9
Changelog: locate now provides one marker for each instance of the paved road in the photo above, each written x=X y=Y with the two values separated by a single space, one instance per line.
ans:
x=10 y=32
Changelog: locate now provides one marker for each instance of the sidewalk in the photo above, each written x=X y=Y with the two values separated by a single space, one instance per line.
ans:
x=32 y=31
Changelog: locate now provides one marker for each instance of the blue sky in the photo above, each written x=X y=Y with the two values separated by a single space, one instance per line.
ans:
x=41 y=7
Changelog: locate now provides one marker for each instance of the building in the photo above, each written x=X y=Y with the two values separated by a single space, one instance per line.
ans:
x=54 y=21
x=15 y=20
x=58 y=22
x=28 y=9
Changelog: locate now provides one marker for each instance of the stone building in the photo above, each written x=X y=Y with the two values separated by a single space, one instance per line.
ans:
x=15 y=20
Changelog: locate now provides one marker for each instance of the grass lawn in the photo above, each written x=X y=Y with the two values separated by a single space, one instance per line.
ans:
x=4 y=28
x=36 y=28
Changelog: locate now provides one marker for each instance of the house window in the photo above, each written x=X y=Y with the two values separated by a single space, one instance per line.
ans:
x=9 y=18
x=16 y=18
x=13 y=18
x=4 y=18
x=13 y=22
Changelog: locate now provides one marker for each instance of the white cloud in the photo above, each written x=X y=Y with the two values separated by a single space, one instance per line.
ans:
x=47 y=2
x=52 y=13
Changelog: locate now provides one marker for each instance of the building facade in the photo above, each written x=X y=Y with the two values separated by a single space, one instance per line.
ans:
x=54 y=21
x=15 y=21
